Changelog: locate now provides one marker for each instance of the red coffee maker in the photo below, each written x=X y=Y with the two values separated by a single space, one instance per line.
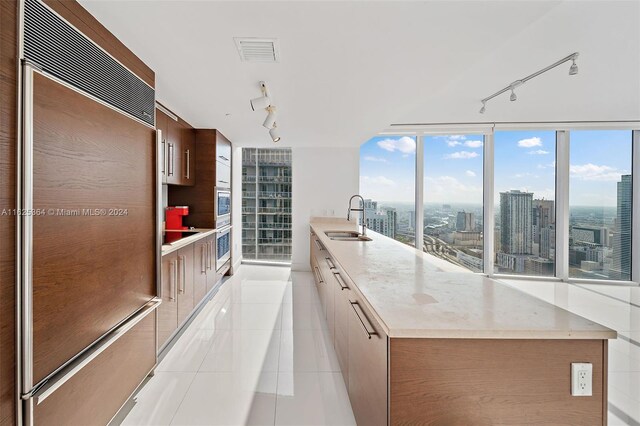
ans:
x=173 y=218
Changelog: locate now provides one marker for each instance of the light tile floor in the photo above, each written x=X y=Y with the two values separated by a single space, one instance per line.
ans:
x=617 y=307
x=258 y=353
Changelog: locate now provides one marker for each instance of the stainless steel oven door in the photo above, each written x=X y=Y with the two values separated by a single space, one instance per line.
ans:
x=223 y=247
x=222 y=207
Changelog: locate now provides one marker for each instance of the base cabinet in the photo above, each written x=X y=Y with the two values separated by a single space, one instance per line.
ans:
x=200 y=270
x=454 y=381
x=185 y=283
x=168 y=309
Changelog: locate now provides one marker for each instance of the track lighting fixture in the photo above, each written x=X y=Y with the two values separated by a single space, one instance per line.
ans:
x=271 y=118
x=264 y=102
x=274 y=133
x=573 y=70
x=260 y=103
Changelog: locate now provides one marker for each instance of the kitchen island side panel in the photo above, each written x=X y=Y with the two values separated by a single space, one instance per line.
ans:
x=491 y=381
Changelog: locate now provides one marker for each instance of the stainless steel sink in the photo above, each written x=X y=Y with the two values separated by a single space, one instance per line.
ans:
x=346 y=236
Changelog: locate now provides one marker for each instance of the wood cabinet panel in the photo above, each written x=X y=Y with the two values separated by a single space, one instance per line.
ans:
x=8 y=155
x=212 y=276
x=367 y=368
x=96 y=393
x=489 y=381
x=99 y=267
x=185 y=282
x=168 y=309
x=223 y=175
x=162 y=125
x=200 y=270
x=341 y=334
x=174 y=152
x=188 y=152
x=223 y=150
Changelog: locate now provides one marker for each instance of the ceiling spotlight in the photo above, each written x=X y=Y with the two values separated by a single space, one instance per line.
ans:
x=274 y=133
x=513 y=96
x=573 y=70
x=260 y=103
x=270 y=121
x=483 y=109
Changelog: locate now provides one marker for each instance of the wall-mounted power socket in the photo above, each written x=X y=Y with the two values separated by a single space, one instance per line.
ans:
x=581 y=379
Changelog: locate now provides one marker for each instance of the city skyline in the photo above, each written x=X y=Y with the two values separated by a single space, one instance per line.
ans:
x=524 y=160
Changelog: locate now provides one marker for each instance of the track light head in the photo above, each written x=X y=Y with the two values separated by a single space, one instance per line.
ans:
x=573 y=70
x=274 y=133
x=483 y=109
x=270 y=121
x=513 y=96
x=260 y=103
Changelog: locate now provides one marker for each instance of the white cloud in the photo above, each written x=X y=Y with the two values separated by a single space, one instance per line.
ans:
x=377 y=180
x=470 y=173
x=405 y=144
x=457 y=137
x=375 y=159
x=595 y=172
x=473 y=144
x=449 y=189
x=538 y=152
x=461 y=155
x=452 y=143
x=530 y=143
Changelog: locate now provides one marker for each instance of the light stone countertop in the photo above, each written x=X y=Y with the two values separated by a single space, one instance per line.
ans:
x=414 y=294
x=183 y=242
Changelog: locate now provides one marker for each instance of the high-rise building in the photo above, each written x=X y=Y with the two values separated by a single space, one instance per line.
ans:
x=516 y=224
x=382 y=220
x=465 y=221
x=621 y=265
x=590 y=234
x=548 y=242
x=544 y=214
x=266 y=204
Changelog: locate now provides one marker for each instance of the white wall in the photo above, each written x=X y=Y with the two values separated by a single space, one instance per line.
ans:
x=323 y=181
x=236 y=207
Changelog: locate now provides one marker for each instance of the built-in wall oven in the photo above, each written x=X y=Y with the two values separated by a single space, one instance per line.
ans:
x=223 y=246
x=222 y=207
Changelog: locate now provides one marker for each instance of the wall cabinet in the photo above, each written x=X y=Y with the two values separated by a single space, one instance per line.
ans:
x=179 y=150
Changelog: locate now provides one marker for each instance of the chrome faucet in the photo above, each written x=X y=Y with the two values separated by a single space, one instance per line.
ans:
x=351 y=209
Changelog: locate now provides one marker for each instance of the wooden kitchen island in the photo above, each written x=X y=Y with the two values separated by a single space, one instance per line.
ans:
x=421 y=341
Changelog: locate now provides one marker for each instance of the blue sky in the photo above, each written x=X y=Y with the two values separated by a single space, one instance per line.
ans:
x=524 y=160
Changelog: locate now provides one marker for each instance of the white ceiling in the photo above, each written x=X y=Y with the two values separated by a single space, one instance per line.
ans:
x=350 y=69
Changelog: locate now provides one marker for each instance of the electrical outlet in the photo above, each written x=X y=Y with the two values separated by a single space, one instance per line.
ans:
x=581 y=379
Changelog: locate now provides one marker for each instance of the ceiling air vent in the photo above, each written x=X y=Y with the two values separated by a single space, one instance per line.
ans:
x=258 y=49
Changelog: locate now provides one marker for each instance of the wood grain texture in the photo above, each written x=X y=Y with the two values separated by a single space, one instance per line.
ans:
x=168 y=309
x=367 y=371
x=8 y=147
x=200 y=270
x=95 y=394
x=185 y=279
x=493 y=382
x=199 y=197
x=80 y=18
x=89 y=272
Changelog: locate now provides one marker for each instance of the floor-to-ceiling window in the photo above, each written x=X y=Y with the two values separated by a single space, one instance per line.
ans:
x=600 y=200
x=387 y=182
x=453 y=193
x=524 y=202
x=266 y=204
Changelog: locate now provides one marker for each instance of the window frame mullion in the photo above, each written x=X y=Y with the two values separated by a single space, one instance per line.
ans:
x=563 y=155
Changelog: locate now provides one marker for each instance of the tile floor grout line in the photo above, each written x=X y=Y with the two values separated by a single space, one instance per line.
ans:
x=183 y=398
x=275 y=406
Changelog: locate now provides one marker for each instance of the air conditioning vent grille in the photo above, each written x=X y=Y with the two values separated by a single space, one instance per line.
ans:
x=258 y=49
x=67 y=54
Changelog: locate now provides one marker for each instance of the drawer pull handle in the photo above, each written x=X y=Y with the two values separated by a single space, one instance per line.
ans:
x=341 y=283
x=172 y=280
x=330 y=263
x=318 y=275
x=362 y=323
